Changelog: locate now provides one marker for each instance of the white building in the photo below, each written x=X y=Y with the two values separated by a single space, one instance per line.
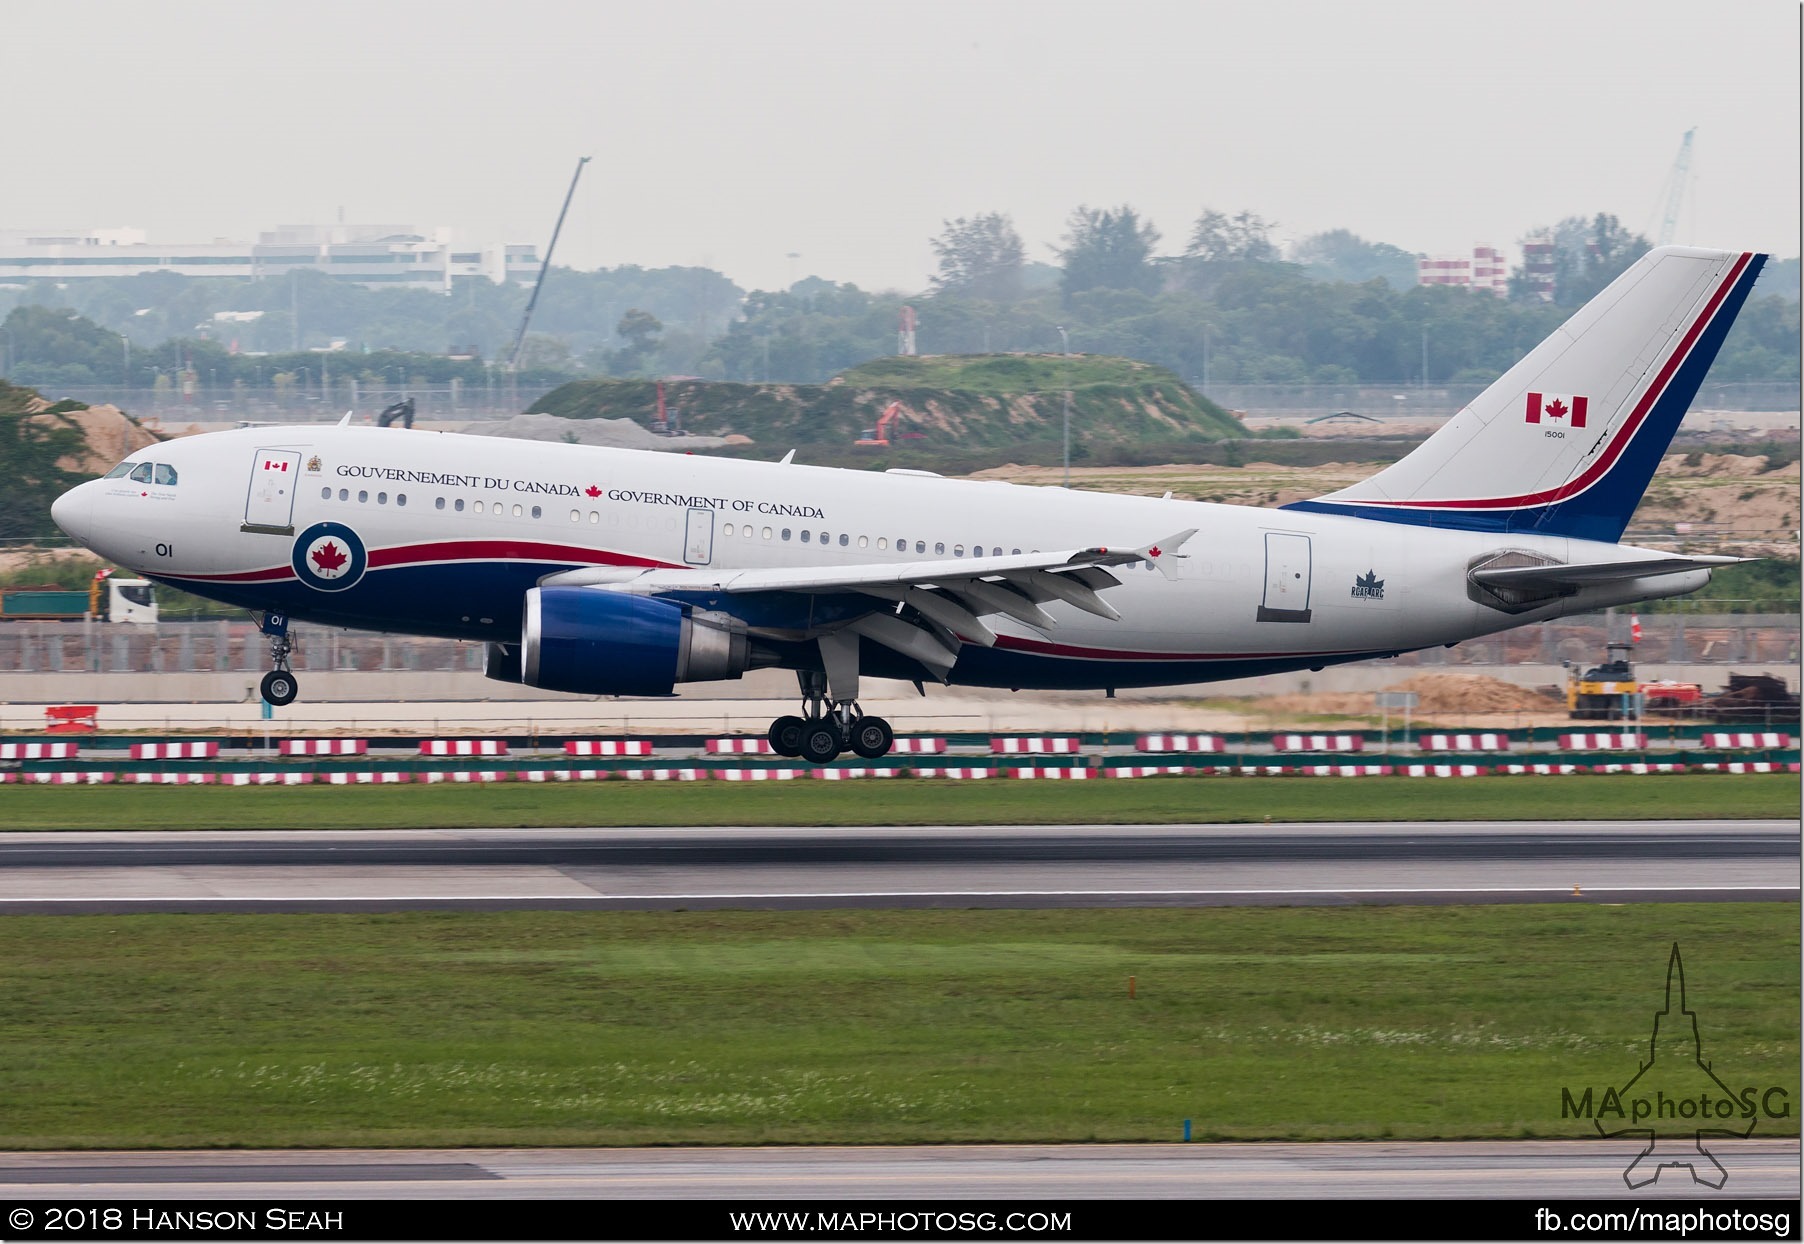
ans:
x=371 y=255
x=1484 y=268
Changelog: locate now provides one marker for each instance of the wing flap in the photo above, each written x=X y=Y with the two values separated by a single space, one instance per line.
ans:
x=1595 y=572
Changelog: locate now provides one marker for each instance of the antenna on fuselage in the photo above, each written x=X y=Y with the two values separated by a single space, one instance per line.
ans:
x=346 y=421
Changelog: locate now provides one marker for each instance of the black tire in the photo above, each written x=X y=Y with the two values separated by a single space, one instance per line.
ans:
x=280 y=687
x=785 y=736
x=820 y=743
x=872 y=737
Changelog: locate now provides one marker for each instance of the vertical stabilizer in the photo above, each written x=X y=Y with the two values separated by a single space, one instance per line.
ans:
x=1565 y=442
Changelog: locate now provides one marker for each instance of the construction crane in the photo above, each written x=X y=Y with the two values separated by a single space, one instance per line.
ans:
x=1675 y=191
x=513 y=360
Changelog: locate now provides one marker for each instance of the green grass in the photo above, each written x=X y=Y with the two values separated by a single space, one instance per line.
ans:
x=901 y=801
x=865 y=1027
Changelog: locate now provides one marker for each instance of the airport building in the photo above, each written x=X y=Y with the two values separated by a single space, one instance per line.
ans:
x=1484 y=268
x=377 y=256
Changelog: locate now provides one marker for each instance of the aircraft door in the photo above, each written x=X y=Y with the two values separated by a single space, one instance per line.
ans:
x=1286 y=578
x=269 y=505
x=698 y=539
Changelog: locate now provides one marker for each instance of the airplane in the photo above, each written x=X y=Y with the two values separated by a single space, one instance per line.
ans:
x=611 y=572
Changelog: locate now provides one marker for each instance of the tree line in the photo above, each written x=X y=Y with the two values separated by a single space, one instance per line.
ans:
x=1227 y=308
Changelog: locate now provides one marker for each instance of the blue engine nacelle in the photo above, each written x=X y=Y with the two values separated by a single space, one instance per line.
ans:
x=596 y=642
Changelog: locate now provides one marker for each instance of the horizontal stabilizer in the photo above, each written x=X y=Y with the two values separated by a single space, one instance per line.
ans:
x=1595 y=572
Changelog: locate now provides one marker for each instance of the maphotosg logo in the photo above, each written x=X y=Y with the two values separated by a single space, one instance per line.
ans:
x=1676 y=1102
x=329 y=557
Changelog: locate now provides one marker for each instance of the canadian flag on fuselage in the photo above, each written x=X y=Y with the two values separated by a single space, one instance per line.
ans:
x=1557 y=408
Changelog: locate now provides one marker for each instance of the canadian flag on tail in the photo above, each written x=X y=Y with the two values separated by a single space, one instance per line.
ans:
x=1557 y=409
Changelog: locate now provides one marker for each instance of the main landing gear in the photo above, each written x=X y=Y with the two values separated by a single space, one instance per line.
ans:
x=279 y=686
x=828 y=727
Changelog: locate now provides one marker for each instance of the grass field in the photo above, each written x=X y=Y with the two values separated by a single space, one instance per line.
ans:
x=865 y=1027
x=900 y=801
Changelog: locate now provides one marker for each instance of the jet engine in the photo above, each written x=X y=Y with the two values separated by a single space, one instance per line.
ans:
x=595 y=642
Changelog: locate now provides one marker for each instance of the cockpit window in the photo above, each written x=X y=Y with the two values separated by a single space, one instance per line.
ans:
x=122 y=470
x=165 y=474
x=142 y=474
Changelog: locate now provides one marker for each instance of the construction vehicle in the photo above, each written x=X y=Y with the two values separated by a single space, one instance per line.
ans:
x=1606 y=692
x=879 y=437
x=106 y=599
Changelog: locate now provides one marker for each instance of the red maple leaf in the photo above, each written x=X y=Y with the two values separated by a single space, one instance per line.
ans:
x=328 y=558
x=1153 y=551
x=1556 y=409
x=592 y=491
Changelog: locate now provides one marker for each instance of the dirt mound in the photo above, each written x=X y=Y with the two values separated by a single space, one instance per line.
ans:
x=1437 y=694
x=110 y=434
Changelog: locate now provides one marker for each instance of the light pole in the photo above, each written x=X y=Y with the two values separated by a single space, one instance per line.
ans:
x=1065 y=347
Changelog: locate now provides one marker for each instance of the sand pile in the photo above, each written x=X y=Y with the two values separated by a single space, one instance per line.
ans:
x=1437 y=694
x=110 y=434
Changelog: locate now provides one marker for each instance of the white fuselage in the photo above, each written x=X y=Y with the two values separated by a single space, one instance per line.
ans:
x=454 y=529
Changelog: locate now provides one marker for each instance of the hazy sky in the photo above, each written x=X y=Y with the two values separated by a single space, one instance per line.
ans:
x=732 y=134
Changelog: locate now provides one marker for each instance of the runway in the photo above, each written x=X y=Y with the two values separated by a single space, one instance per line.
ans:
x=782 y=867
x=1543 y=1170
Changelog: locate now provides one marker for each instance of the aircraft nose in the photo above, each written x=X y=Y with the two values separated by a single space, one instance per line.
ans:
x=70 y=512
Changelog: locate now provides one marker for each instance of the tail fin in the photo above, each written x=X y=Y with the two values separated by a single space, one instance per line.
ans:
x=1565 y=442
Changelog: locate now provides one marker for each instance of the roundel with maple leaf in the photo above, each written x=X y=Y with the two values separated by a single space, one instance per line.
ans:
x=329 y=557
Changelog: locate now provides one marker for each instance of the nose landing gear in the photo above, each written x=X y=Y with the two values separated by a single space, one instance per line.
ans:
x=828 y=727
x=279 y=686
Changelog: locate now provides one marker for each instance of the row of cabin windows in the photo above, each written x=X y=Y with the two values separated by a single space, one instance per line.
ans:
x=729 y=530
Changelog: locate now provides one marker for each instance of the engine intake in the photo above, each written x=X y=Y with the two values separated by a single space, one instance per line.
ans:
x=595 y=642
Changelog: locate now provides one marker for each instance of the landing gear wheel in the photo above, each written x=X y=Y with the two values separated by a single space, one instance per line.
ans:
x=872 y=737
x=280 y=687
x=785 y=735
x=820 y=742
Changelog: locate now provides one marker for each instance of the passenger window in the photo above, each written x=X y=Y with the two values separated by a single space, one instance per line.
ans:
x=439 y=504
x=325 y=494
x=958 y=550
x=165 y=475
x=920 y=546
x=864 y=541
x=824 y=539
x=939 y=549
x=883 y=542
x=806 y=535
x=729 y=531
x=344 y=494
x=479 y=507
x=381 y=498
x=460 y=505
x=786 y=533
x=363 y=496
x=122 y=470
x=516 y=511
x=400 y=498
x=142 y=474
x=594 y=516
x=767 y=533
x=536 y=511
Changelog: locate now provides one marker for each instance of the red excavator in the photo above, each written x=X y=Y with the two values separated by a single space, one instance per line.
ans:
x=879 y=436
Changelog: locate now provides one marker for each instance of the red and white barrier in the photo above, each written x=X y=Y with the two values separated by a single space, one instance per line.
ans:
x=70 y=778
x=175 y=751
x=1611 y=742
x=1725 y=741
x=462 y=775
x=367 y=777
x=463 y=747
x=1638 y=767
x=740 y=746
x=1539 y=768
x=175 y=779
x=1069 y=772
x=1750 y=766
x=665 y=775
x=1341 y=770
x=325 y=747
x=1318 y=742
x=759 y=775
x=1443 y=770
x=952 y=773
x=37 y=751
x=1140 y=771
x=1063 y=746
x=1265 y=770
x=840 y=775
x=1464 y=742
x=266 y=778
x=919 y=747
x=1180 y=743
x=607 y=747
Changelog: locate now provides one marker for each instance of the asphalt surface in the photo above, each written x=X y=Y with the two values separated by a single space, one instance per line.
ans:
x=995 y=866
x=1543 y=1170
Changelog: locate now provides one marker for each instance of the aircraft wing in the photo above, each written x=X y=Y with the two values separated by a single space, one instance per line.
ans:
x=948 y=597
x=1595 y=572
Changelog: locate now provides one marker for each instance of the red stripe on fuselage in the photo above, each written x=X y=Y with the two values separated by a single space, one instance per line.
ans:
x=1597 y=470
x=444 y=551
